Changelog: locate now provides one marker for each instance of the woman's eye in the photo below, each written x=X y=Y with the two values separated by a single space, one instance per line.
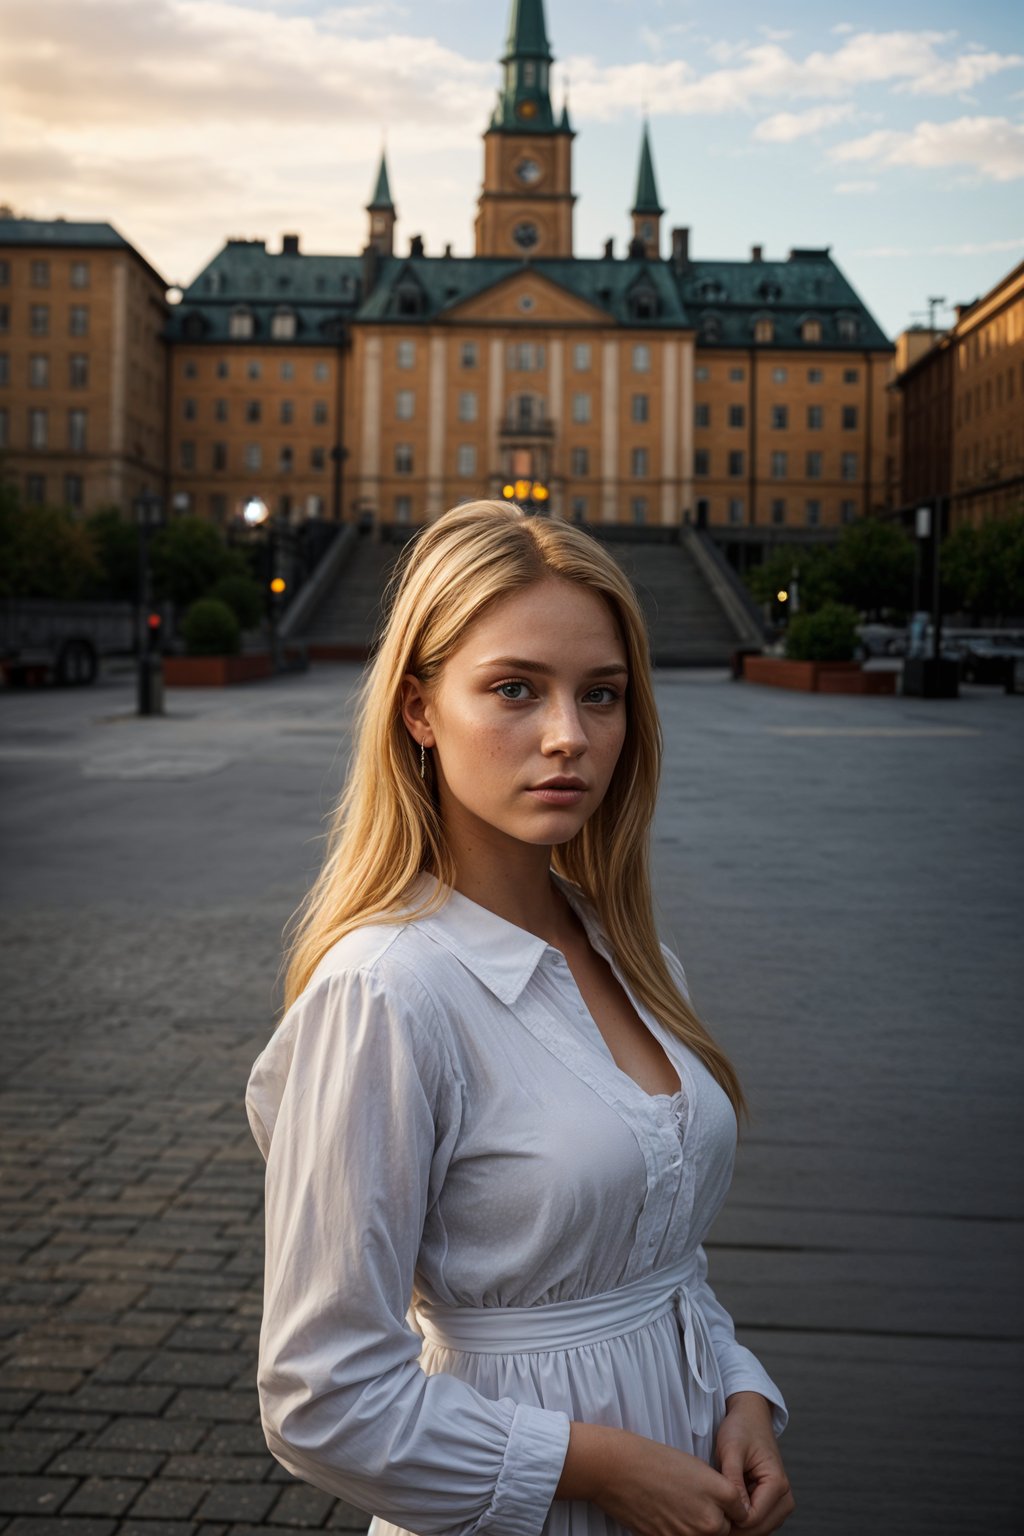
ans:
x=607 y=695
x=511 y=690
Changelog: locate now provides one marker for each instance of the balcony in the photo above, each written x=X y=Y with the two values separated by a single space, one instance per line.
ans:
x=525 y=426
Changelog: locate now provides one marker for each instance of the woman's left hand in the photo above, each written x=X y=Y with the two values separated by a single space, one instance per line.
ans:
x=748 y=1455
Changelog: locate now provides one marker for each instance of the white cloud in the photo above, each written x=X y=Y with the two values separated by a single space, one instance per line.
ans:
x=953 y=76
x=784 y=127
x=991 y=146
x=854 y=188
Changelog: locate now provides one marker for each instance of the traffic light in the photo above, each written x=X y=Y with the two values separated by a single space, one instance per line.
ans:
x=154 y=630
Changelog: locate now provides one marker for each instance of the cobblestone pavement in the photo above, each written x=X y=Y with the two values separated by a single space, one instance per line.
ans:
x=842 y=879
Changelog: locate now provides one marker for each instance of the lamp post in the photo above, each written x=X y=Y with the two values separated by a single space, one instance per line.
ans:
x=257 y=514
x=150 y=693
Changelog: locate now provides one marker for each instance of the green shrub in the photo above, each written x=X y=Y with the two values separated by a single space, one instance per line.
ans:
x=829 y=634
x=187 y=557
x=211 y=629
x=243 y=596
x=44 y=552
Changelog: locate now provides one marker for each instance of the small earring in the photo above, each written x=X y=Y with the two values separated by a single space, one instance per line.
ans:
x=423 y=761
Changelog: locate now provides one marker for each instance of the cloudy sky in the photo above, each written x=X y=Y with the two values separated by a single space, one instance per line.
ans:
x=893 y=132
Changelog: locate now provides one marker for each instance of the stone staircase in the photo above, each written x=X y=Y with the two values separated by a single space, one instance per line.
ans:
x=688 y=625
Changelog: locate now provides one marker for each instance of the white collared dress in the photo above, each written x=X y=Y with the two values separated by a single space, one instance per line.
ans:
x=446 y=1134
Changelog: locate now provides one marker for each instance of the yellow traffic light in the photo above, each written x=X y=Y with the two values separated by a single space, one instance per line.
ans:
x=278 y=585
x=508 y=491
x=783 y=596
x=522 y=489
x=540 y=492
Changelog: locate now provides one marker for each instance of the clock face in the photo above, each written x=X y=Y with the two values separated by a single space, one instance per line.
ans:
x=528 y=171
x=526 y=109
x=525 y=235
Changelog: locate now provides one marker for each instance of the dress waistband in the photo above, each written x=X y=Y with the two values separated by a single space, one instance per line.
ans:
x=564 y=1325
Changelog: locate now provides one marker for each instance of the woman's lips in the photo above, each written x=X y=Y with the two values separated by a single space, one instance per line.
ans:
x=559 y=794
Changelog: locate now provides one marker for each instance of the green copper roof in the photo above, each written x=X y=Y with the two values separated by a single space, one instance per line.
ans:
x=527 y=34
x=724 y=300
x=70 y=233
x=323 y=293
x=646 y=190
x=381 y=201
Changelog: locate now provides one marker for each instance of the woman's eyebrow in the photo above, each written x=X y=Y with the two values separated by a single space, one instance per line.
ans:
x=518 y=664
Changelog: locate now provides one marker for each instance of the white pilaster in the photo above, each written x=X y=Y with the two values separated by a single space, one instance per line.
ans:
x=435 y=429
x=670 y=512
x=556 y=393
x=609 y=431
x=118 y=378
x=369 y=481
x=686 y=366
x=495 y=406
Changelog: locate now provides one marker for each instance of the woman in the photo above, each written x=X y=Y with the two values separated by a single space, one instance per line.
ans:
x=496 y=1132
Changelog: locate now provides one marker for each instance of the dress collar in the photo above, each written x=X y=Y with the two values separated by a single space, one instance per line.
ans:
x=500 y=954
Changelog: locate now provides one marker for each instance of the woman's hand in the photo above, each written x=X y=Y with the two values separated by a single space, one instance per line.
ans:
x=748 y=1455
x=649 y=1488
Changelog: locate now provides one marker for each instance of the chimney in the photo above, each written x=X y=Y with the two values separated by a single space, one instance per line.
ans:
x=416 y=245
x=680 y=247
x=609 y=250
x=757 y=253
x=289 y=245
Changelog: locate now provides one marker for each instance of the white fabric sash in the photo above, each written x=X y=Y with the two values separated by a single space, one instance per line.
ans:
x=564 y=1325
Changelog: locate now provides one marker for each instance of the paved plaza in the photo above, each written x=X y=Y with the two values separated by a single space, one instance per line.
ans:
x=841 y=877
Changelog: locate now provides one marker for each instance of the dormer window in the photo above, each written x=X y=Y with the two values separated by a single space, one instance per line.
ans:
x=710 y=290
x=282 y=325
x=810 y=328
x=769 y=292
x=194 y=326
x=710 y=327
x=764 y=329
x=643 y=304
x=847 y=327
x=241 y=325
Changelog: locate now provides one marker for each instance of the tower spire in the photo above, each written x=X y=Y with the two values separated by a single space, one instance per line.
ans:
x=383 y=212
x=647 y=210
x=524 y=101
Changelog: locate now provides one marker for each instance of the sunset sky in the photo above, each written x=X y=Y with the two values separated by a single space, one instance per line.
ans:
x=892 y=132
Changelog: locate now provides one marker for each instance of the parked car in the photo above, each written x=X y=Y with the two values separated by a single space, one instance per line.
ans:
x=881 y=640
x=989 y=658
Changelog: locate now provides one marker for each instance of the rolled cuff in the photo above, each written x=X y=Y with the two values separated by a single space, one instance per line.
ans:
x=534 y=1457
x=742 y=1371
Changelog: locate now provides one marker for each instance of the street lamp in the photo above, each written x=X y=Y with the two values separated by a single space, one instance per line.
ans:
x=150 y=693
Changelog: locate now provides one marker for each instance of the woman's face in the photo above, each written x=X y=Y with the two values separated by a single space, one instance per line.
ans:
x=527 y=719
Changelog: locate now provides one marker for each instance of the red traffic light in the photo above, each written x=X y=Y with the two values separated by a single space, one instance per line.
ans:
x=154 y=621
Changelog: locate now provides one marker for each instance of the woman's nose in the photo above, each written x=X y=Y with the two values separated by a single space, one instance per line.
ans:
x=563 y=729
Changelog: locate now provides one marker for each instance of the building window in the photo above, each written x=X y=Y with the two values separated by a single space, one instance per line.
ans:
x=188 y=408
x=467 y=405
x=76 y=431
x=524 y=357
x=735 y=510
x=737 y=416
x=35 y=490
x=285 y=462
x=849 y=418
x=40 y=274
x=253 y=410
x=846 y=327
x=4 y=434
x=5 y=368
x=641 y=358
x=851 y=375
x=39 y=371
x=220 y=456
x=581 y=408
x=780 y=418
x=847 y=511
x=39 y=320
x=38 y=429
x=848 y=466
x=405 y=404
x=282 y=325
x=253 y=456
x=79 y=274
x=579 y=509
x=403 y=458
x=403 y=509
x=702 y=462
x=219 y=506
x=815 y=375
x=320 y=413
x=187 y=455
x=779 y=375
x=779 y=463
x=737 y=375
x=317 y=457
x=287 y=372
x=814 y=461
x=5 y=274
x=223 y=368
x=467 y=460
x=810 y=330
x=406 y=354
x=579 y=461
x=468 y=354
x=73 y=491
x=778 y=510
x=254 y=369
x=639 y=463
x=286 y=413
x=5 y=319
x=189 y=370
x=581 y=356
x=813 y=513
x=702 y=373
x=764 y=330
x=641 y=407
x=735 y=462
x=321 y=373
x=702 y=415
x=815 y=418
x=240 y=324
x=220 y=410
x=638 y=508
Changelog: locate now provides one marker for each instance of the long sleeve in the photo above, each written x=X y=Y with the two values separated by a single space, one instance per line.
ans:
x=355 y=1106
x=741 y=1370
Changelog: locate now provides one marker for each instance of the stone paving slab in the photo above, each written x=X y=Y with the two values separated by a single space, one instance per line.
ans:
x=841 y=878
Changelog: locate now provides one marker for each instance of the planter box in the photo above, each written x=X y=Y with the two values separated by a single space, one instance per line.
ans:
x=816 y=676
x=215 y=671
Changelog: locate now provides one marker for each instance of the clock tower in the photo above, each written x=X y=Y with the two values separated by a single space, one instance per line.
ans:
x=526 y=204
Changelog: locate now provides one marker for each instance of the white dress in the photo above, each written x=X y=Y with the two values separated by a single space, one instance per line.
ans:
x=444 y=1127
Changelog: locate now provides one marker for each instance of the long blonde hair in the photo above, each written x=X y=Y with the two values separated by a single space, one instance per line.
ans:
x=386 y=827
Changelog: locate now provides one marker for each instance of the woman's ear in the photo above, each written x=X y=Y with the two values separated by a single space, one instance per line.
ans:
x=416 y=711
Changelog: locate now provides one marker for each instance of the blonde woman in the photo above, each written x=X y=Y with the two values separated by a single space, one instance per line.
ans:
x=496 y=1131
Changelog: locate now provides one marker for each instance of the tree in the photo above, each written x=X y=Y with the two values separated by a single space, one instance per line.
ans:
x=872 y=567
x=44 y=552
x=187 y=558
x=814 y=579
x=982 y=570
x=116 y=542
